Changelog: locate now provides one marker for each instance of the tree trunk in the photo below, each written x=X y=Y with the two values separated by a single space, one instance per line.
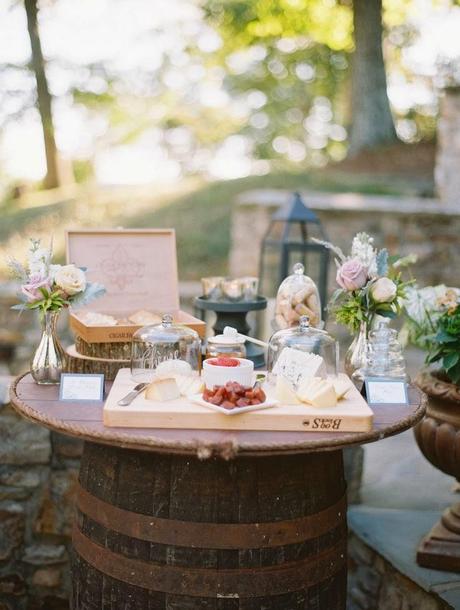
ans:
x=372 y=123
x=43 y=96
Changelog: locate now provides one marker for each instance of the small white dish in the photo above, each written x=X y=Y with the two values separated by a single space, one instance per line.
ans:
x=215 y=375
x=197 y=399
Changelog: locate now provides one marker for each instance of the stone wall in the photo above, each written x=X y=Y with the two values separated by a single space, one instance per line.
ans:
x=373 y=584
x=425 y=227
x=38 y=472
x=447 y=176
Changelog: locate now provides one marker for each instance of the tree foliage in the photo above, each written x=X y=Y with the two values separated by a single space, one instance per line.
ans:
x=301 y=54
x=289 y=61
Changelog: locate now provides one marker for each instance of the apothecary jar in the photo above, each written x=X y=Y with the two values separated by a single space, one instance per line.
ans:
x=297 y=296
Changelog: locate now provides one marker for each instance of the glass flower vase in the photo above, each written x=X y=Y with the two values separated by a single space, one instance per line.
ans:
x=356 y=356
x=48 y=362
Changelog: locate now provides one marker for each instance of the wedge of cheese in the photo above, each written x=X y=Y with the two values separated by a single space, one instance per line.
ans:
x=317 y=392
x=314 y=366
x=189 y=384
x=341 y=386
x=162 y=390
x=172 y=367
x=284 y=391
x=297 y=365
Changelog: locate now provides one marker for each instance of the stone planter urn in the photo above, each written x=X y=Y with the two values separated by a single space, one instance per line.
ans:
x=438 y=437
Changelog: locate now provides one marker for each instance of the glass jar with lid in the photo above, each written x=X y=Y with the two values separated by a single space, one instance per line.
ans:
x=297 y=296
x=302 y=338
x=168 y=347
x=227 y=344
x=384 y=354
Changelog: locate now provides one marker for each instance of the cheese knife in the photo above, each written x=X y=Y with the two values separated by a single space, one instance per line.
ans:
x=128 y=399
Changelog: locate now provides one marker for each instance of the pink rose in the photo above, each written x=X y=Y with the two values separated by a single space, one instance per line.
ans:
x=352 y=275
x=31 y=290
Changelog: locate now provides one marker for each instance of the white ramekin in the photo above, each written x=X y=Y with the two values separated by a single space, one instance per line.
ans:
x=214 y=375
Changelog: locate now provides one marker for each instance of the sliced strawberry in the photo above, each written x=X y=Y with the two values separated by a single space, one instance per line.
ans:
x=224 y=361
x=242 y=402
x=216 y=400
x=259 y=394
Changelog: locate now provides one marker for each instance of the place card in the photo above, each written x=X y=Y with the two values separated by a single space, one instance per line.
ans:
x=385 y=391
x=80 y=387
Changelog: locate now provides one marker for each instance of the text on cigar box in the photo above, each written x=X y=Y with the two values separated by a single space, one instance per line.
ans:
x=120 y=336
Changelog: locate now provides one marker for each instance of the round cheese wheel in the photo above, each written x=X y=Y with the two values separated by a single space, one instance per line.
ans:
x=173 y=367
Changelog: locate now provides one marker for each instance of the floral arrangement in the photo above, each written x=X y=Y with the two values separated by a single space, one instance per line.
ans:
x=46 y=287
x=433 y=323
x=370 y=283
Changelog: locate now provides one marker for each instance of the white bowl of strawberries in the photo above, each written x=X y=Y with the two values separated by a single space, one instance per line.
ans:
x=218 y=371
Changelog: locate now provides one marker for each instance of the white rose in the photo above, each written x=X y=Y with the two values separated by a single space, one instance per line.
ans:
x=384 y=290
x=71 y=279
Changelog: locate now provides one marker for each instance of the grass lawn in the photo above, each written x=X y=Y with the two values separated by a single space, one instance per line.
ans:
x=200 y=213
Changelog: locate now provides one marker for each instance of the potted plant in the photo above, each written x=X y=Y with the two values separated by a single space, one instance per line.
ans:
x=433 y=323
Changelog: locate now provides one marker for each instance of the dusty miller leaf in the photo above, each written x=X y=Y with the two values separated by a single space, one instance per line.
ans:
x=382 y=262
x=93 y=291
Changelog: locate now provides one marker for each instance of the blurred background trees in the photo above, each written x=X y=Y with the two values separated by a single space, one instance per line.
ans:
x=43 y=96
x=217 y=88
x=308 y=52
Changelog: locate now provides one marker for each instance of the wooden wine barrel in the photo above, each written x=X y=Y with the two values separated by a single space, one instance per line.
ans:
x=170 y=532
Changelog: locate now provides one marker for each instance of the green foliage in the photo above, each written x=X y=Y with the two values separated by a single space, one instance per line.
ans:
x=445 y=344
x=289 y=60
x=352 y=308
x=244 y=23
x=83 y=170
x=51 y=301
x=350 y=312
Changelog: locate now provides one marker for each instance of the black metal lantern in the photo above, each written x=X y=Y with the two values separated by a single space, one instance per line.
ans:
x=288 y=241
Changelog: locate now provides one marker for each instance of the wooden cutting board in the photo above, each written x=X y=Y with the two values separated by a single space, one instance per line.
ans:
x=350 y=415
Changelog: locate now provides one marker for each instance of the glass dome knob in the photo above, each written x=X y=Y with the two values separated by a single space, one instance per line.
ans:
x=304 y=322
x=298 y=269
x=167 y=320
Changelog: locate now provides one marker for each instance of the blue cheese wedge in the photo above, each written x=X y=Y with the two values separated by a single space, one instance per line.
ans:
x=162 y=390
x=317 y=392
x=297 y=365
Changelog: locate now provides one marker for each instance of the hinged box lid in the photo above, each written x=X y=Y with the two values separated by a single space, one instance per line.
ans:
x=138 y=267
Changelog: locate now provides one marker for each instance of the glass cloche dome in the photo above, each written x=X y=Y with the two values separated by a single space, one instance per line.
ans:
x=303 y=338
x=297 y=296
x=166 y=347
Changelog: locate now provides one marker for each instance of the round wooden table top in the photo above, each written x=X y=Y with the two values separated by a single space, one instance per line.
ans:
x=83 y=420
